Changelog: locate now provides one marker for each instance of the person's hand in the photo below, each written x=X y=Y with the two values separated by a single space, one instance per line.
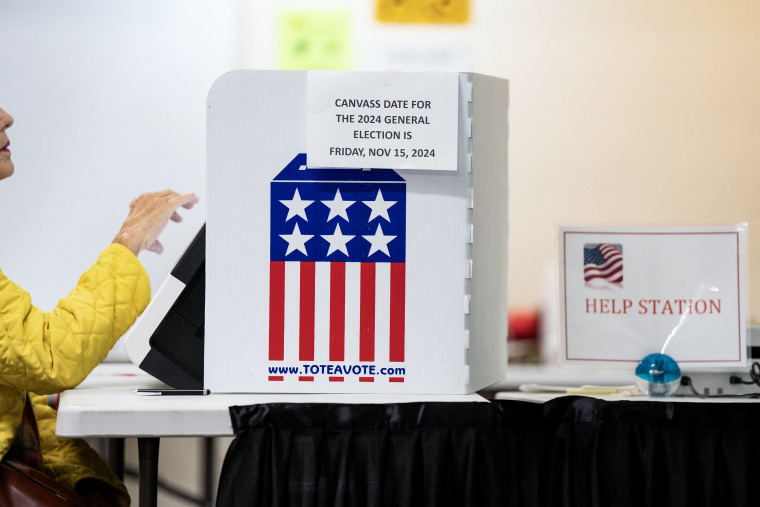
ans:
x=148 y=215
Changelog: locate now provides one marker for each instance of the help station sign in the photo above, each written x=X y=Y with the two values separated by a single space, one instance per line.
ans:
x=629 y=292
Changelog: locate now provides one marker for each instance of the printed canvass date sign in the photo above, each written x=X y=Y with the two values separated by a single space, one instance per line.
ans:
x=391 y=120
x=626 y=293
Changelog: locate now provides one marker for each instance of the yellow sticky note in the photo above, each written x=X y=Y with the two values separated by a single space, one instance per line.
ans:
x=315 y=40
x=422 y=11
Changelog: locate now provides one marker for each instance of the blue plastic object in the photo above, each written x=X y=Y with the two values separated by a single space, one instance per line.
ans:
x=658 y=375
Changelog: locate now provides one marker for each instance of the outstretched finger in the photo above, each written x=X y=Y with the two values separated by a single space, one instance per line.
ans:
x=156 y=247
x=187 y=200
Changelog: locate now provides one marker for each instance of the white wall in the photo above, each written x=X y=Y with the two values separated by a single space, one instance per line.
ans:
x=631 y=113
x=109 y=102
x=641 y=112
x=644 y=112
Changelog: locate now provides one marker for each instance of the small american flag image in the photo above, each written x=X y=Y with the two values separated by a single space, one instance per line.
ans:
x=603 y=262
x=337 y=277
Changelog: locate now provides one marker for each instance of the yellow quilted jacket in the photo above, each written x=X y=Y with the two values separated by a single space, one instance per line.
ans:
x=45 y=353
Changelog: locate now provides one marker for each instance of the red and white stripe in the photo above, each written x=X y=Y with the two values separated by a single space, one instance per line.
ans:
x=336 y=312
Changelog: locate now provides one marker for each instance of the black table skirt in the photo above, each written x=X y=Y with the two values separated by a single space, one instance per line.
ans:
x=573 y=451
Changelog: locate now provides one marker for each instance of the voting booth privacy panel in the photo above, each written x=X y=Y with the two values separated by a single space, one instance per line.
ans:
x=356 y=232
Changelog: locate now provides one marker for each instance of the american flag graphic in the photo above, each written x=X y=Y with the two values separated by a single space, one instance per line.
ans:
x=603 y=261
x=337 y=266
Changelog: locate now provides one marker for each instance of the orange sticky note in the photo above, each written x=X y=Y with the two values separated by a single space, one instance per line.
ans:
x=423 y=11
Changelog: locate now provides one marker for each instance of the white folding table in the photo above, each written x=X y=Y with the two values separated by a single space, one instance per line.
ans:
x=104 y=406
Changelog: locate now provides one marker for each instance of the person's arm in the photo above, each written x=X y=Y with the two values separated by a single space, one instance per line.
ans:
x=48 y=352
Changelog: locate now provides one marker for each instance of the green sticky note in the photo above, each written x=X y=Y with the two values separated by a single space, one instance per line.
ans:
x=315 y=40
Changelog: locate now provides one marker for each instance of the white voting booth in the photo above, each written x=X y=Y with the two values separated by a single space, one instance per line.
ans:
x=356 y=233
